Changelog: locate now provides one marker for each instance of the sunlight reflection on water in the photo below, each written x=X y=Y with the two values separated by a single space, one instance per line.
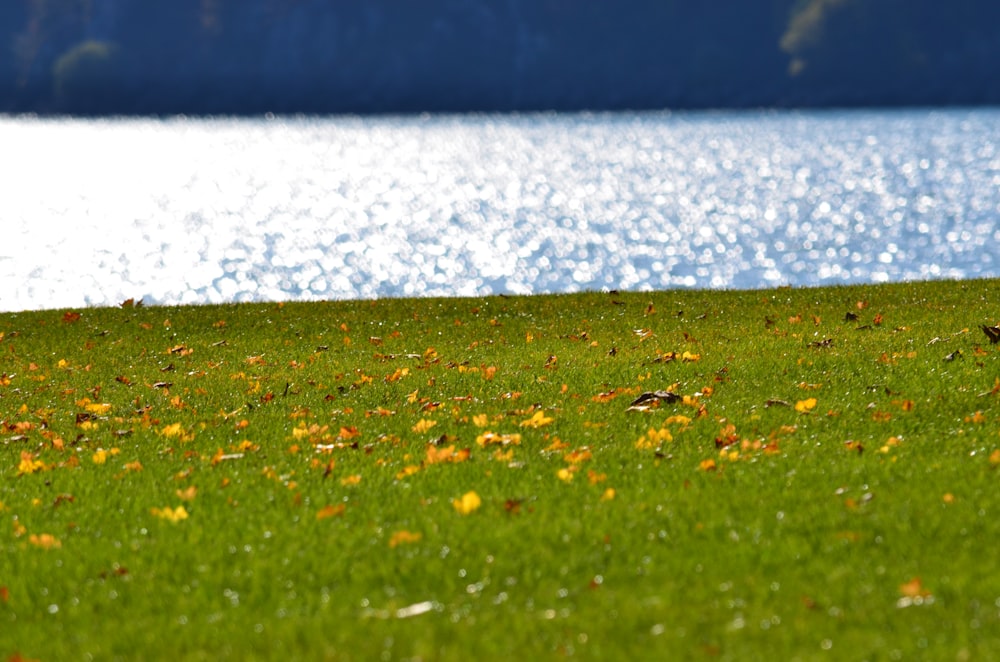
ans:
x=210 y=210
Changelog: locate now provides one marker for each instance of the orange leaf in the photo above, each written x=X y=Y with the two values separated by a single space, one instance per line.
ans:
x=404 y=537
x=331 y=511
x=913 y=589
x=408 y=471
x=436 y=454
x=45 y=541
x=349 y=432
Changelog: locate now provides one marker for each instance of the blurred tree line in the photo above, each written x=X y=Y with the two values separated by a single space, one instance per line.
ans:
x=365 y=56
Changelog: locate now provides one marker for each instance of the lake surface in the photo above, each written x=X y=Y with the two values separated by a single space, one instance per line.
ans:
x=209 y=210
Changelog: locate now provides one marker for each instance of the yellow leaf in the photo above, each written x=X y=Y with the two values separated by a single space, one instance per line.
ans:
x=807 y=405
x=423 y=425
x=187 y=494
x=608 y=495
x=100 y=457
x=707 y=465
x=29 y=465
x=467 y=503
x=480 y=420
x=351 y=480
x=565 y=475
x=653 y=438
x=539 y=419
x=170 y=514
x=172 y=430
x=98 y=408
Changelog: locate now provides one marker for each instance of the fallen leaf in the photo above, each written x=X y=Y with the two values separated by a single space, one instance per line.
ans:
x=29 y=465
x=805 y=406
x=913 y=589
x=539 y=419
x=404 y=537
x=467 y=503
x=170 y=514
x=423 y=425
x=330 y=511
x=655 y=396
x=992 y=332
x=45 y=541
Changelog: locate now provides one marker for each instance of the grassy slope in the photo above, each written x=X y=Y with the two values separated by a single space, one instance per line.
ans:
x=795 y=543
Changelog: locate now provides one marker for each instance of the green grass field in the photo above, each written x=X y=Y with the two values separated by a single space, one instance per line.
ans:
x=797 y=473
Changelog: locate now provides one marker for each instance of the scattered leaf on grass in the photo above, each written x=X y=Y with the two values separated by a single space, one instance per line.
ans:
x=423 y=425
x=44 y=541
x=654 y=396
x=404 y=537
x=170 y=514
x=467 y=503
x=805 y=406
x=539 y=419
x=992 y=332
x=330 y=511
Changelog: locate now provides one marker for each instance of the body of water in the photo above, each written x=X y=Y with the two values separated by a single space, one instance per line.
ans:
x=208 y=210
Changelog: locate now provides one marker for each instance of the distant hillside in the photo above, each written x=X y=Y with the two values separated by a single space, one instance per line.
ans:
x=370 y=56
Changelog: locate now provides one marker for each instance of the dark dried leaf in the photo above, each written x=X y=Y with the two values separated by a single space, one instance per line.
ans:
x=992 y=332
x=651 y=396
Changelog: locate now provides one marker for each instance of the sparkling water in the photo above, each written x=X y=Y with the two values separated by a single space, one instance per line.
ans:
x=186 y=210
